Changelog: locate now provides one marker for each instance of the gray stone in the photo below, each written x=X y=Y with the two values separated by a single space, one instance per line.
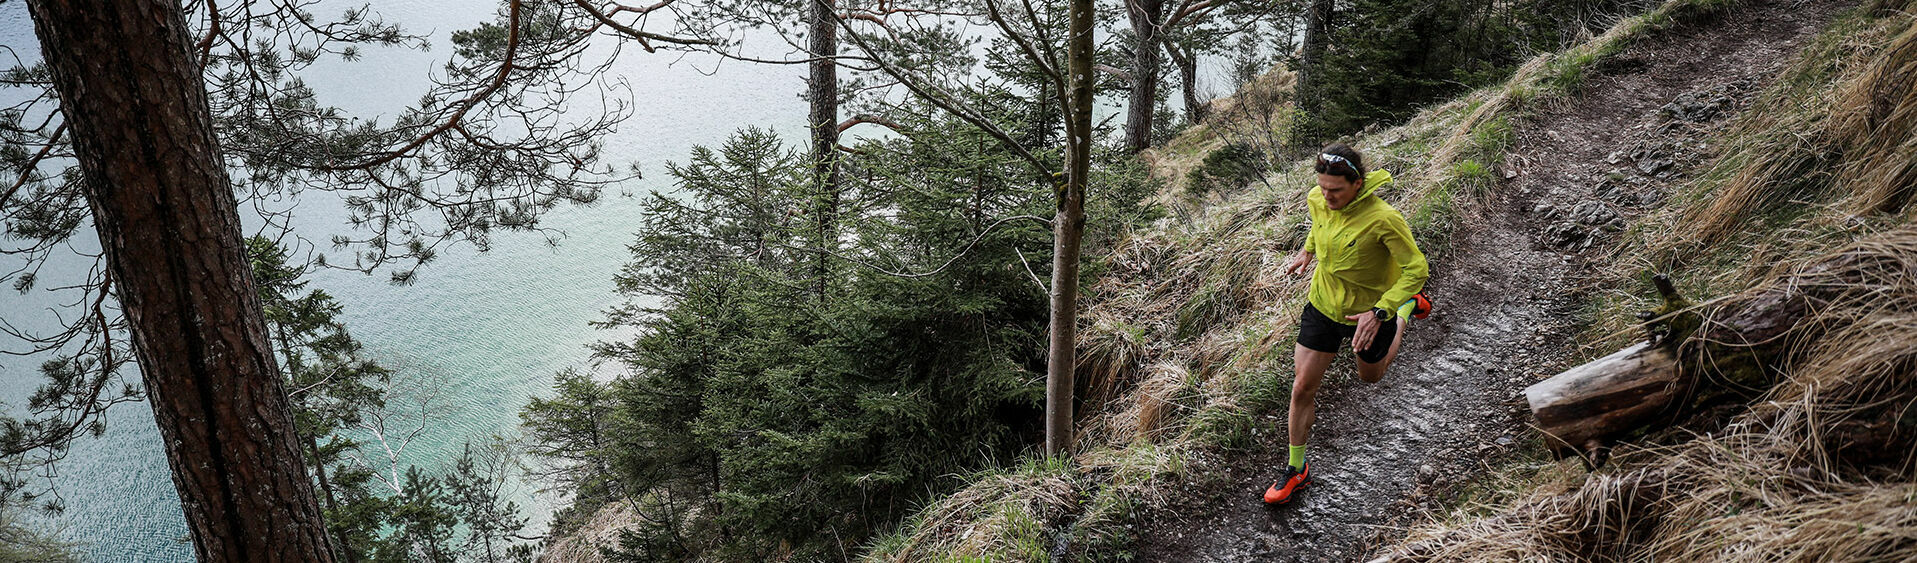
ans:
x=1592 y=213
x=1653 y=165
x=1564 y=234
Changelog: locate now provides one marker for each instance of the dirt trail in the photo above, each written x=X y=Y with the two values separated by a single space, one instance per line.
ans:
x=1505 y=297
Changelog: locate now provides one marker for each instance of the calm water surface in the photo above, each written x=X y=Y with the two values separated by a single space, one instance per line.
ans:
x=492 y=326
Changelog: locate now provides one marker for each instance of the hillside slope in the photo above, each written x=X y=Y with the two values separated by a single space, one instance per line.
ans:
x=1522 y=193
x=1799 y=446
x=1508 y=295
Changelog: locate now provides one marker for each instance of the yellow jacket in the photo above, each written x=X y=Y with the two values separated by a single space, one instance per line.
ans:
x=1366 y=257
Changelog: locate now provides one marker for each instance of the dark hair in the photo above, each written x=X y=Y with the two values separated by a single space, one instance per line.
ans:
x=1353 y=167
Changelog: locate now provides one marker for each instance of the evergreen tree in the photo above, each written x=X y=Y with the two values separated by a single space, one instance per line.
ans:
x=332 y=389
x=750 y=418
x=485 y=149
x=1382 y=59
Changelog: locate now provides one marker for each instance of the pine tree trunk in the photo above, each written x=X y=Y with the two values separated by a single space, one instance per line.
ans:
x=1068 y=227
x=1146 y=17
x=822 y=91
x=132 y=93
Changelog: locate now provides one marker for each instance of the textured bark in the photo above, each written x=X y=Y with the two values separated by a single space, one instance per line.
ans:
x=1588 y=404
x=131 y=91
x=1068 y=227
x=1147 y=17
x=822 y=92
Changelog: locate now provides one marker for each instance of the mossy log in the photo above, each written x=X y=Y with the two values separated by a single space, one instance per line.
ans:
x=1685 y=364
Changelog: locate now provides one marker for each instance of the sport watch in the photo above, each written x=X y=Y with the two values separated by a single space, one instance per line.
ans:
x=1380 y=314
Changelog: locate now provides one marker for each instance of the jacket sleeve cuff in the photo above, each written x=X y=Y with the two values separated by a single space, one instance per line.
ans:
x=1388 y=306
x=1389 y=312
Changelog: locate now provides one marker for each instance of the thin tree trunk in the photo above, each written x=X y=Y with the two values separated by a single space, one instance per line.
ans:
x=1187 y=63
x=1146 y=18
x=1068 y=226
x=327 y=496
x=1310 y=97
x=822 y=91
x=164 y=209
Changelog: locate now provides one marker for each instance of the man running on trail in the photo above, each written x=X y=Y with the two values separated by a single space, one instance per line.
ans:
x=1370 y=276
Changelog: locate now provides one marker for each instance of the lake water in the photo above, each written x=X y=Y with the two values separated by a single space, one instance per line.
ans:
x=494 y=326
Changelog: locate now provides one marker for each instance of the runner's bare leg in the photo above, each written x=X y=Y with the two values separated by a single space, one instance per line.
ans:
x=1309 y=366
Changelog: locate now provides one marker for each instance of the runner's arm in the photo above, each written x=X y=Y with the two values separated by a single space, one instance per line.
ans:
x=1413 y=269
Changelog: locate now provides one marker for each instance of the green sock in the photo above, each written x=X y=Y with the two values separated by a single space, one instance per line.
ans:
x=1404 y=311
x=1298 y=457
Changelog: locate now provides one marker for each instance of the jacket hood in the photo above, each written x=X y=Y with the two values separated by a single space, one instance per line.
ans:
x=1373 y=180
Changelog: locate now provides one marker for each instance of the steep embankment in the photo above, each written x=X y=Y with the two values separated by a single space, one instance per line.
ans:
x=1517 y=191
x=1801 y=216
x=1509 y=294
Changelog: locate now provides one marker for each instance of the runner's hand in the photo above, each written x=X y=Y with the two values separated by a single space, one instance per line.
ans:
x=1367 y=330
x=1299 y=263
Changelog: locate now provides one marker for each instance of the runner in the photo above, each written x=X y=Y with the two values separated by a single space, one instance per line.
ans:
x=1370 y=276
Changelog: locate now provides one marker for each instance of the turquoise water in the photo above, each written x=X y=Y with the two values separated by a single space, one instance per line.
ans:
x=492 y=326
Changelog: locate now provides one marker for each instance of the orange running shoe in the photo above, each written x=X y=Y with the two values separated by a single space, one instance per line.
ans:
x=1289 y=481
x=1423 y=307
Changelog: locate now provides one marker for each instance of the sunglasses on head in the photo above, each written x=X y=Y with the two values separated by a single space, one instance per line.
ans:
x=1325 y=160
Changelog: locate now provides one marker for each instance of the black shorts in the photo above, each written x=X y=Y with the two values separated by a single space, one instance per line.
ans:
x=1318 y=332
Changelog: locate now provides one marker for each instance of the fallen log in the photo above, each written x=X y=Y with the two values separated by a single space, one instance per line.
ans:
x=1612 y=395
x=1686 y=363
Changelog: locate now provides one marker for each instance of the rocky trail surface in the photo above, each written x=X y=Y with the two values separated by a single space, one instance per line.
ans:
x=1507 y=295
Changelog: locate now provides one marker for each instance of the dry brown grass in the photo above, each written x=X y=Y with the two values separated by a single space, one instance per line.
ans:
x=1822 y=467
x=1145 y=411
x=1778 y=484
x=1877 y=121
x=1015 y=515
x=1840 y=123
x=1810 y=164
x=1108 y=355
x=602 y=529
